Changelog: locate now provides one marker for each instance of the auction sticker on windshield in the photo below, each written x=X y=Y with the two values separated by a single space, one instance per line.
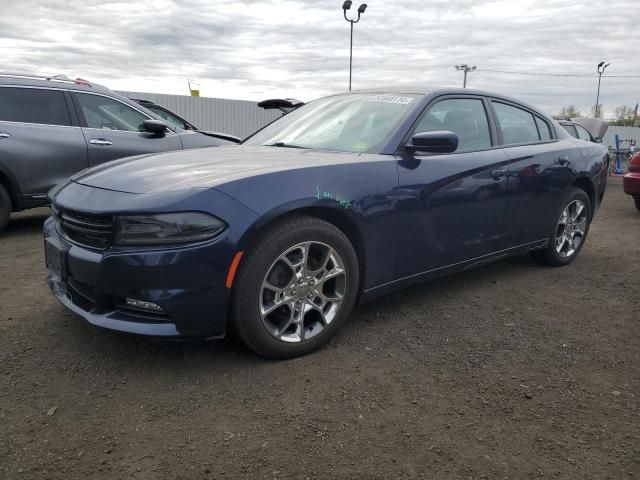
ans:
x=392 y=99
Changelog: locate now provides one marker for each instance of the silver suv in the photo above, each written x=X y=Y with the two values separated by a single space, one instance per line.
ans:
x=53 y=127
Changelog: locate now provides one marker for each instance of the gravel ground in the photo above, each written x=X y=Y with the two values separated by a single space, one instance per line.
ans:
x=510 y=371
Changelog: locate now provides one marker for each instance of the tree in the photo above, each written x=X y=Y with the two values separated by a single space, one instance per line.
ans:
x=569 y=111
x=596 y=111
x=623 y=115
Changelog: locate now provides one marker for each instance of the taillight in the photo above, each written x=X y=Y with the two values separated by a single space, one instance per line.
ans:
x=634 y=165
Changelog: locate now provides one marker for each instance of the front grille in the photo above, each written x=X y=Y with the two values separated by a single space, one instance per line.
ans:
x=87 y=229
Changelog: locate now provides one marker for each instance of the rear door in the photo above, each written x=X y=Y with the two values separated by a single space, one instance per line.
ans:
x=113 y=129
x=539 y=171
x=40 y=143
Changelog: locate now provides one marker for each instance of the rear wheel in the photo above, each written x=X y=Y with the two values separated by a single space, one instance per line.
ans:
x=569 y=232
x=637 y=201
x=295 y=288
x=5 y=207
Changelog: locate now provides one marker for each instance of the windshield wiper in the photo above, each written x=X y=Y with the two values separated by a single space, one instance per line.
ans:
x=285 y=145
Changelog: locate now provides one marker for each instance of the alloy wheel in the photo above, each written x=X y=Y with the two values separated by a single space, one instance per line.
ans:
x=571 y=228
x=302 y=292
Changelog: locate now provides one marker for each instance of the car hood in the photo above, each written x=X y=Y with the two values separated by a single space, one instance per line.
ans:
x=202 y=167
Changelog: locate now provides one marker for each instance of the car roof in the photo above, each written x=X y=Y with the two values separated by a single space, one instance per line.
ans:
x=54 y=81
x=436 y=91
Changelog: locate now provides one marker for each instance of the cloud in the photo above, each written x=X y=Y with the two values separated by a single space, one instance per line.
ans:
x=300 y=48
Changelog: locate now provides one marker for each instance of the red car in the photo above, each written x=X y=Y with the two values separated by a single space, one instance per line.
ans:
x=631 y=181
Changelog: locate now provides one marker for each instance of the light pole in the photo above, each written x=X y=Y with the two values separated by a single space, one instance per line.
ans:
x=346 y=6
x=466 y=69
x=602 y=66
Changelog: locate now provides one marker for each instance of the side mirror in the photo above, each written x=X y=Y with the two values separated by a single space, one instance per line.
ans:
x=435 y=142
x=157 y=127
x=597 y=140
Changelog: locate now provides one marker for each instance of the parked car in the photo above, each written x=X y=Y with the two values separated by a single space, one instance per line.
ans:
x=631 y=181
x=578 y=131
x=53 y=127
x=176 y=120
x=342 y=200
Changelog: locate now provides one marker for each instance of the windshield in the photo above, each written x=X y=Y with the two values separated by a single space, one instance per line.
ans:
x=178 y=122
x=347 y=123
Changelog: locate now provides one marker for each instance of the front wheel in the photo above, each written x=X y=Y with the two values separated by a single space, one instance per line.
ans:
x=637 y=202
x=295 y=288
x=569 y=232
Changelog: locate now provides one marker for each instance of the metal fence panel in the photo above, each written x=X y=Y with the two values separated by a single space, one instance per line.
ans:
x=625 y=133
x=237 y=117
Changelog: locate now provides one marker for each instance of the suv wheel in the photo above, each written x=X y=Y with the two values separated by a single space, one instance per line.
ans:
x=637 y=201
x=569 y=232
x=5 y=207
x=295 y=288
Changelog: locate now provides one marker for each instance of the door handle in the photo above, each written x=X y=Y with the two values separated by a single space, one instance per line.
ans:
x=498 y=174
x=4 y=135
x=563 y=160
x=100 y=141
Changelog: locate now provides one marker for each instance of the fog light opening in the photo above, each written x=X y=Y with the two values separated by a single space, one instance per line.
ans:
x=143 y=305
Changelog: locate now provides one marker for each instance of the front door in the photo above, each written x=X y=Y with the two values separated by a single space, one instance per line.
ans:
x=113 y=130
x=454 y=204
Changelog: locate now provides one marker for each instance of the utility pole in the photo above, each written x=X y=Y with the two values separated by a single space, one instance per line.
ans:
x=466 y=69
x=602 y=66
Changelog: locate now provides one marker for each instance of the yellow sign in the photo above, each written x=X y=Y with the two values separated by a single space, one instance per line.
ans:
x=195 y=93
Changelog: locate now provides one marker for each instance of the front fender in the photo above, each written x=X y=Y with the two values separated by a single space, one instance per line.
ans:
x=358 y=196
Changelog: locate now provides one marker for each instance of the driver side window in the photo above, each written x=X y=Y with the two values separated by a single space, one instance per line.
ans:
x=106 y=113
x=465 y=117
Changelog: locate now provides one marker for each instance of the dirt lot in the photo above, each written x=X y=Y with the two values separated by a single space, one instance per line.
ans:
x=510 y=371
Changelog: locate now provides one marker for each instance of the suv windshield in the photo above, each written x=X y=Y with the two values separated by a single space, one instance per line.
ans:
x=348 y=123
x=173 y=119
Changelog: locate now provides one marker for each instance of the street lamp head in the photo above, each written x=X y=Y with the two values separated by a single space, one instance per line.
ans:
x=602 y=66
x=346 y=5
x=362 y=8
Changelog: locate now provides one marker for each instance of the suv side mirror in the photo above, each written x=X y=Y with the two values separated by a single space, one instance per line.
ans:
x=156 y=127
x=435 y=142
x=597 y=140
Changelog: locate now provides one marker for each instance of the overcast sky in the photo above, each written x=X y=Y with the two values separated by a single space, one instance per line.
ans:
x=255 y=50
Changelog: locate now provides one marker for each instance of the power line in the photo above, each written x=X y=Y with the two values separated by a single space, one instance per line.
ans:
x=555 y=74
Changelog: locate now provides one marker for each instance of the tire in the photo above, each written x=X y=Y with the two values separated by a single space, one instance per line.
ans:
x=555 y=256
x=276 y=260
x=5 y=207
x=637 y=202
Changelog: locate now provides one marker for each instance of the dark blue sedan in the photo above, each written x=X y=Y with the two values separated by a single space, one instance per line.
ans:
x=344 y=199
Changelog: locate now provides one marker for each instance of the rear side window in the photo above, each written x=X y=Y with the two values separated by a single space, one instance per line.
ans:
x=107 y=113
x=517 y=125
x=33 y=105
x=465 y=117
x=543 y=129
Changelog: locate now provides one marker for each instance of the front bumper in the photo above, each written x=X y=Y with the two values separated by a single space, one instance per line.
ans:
x=631 y=183
x=188 y=283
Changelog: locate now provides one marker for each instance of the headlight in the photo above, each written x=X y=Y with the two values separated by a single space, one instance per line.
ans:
x=167 y=228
